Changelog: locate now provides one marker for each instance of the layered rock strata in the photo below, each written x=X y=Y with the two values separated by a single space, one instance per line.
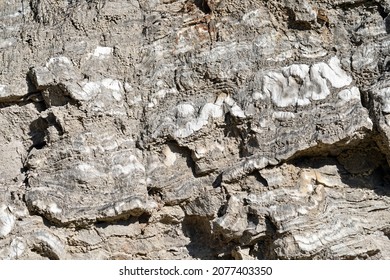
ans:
x=186 y=129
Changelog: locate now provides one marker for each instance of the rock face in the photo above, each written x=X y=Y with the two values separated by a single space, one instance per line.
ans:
x=186 y=129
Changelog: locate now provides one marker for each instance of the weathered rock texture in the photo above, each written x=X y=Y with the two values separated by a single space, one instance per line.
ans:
x=194 y=129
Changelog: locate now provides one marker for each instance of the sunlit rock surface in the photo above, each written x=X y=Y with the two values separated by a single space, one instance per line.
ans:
x=185 y=129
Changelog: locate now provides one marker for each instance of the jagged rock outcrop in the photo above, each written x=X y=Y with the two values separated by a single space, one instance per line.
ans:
x=186 y=129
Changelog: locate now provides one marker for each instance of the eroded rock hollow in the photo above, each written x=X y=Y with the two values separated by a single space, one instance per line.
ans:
x=194 y=129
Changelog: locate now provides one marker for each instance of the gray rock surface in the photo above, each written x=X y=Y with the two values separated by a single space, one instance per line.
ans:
x=186 y=129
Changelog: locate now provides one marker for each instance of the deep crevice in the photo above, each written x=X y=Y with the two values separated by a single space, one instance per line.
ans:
x=198 y=230
x=33 y=95
x=387 y=24
x=222 y=210
x=203 y=6
x=259 y=178
x=264 y=247
x=382 y=11
x=217 y=182
x=356 y=4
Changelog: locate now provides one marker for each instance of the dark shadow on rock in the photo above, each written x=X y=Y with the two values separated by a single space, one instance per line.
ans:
x=38 y=130
x=217 y=182
x=198 y=230
x=293 y=23
x=125 y=223
x=37 y=133
x=185 y=153
x=377 y=179
x=263 y=249
x=202 y=5
x=387 y=24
